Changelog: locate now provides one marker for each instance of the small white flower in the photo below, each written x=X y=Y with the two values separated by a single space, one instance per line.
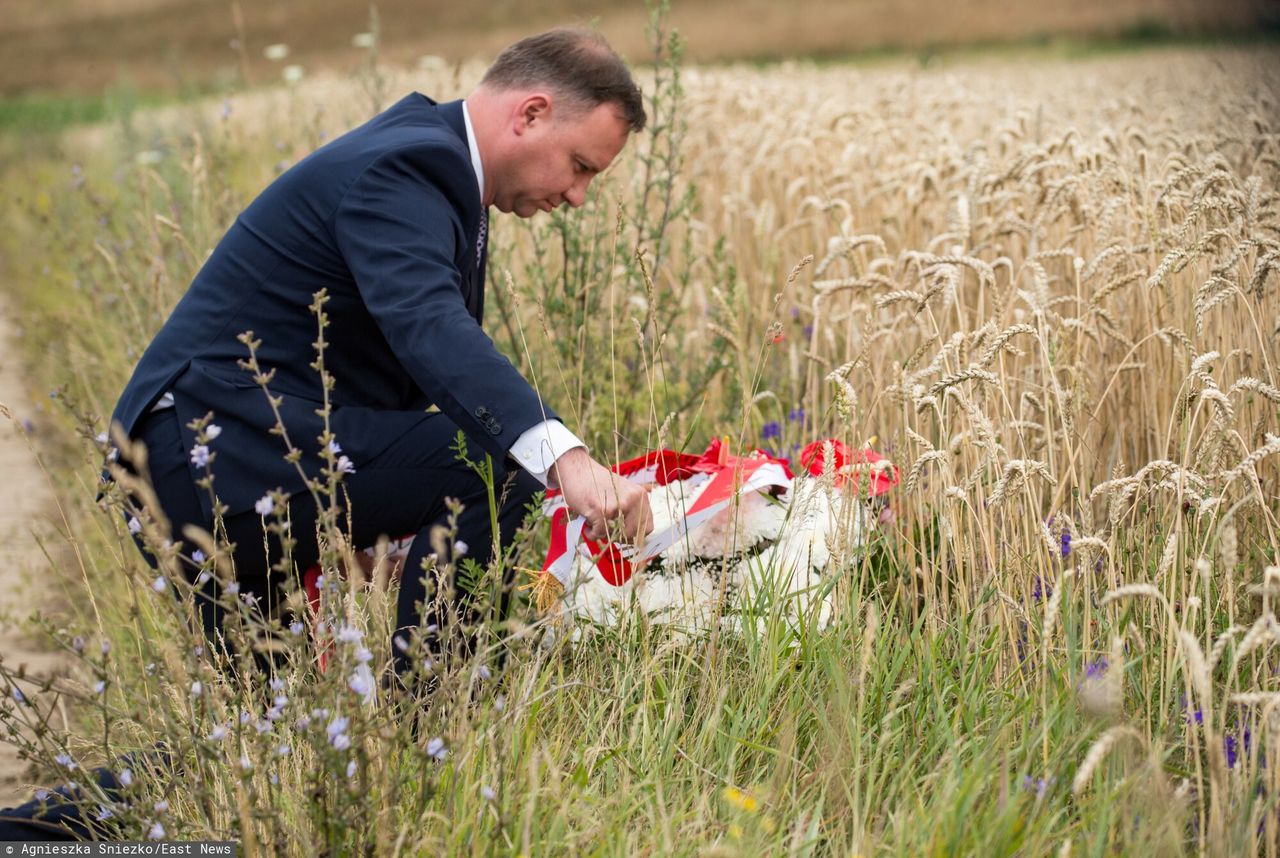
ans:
x=483 y=672
x=293 y=73
x=135 y=526
x=276 y=52
x=18 y=695
x=232 y=588
x=197 y=556
x=275 y=683
x=283 y=750
x=401 y=643
x=203 y=578
x=350 y=634
x=106 y=647
x=296 y=628
x=436 y=749
x=213 y=430
x=334 y=447
x=363 y=655
x=265 y=505
x=101 y=437
x=361 y=682
x=126 y=777
x=196 y=688
x=77 y=643
x=42 y=794
x=162 y=806
x=104 y=812
x=487 y=793
x=218 y=733
x=351 y=769
x=99 y=687
x=345 y=465
x=200 y=455
x=364 y=40
x=245 y=716
x=245 y=763
x=65 y=760
x=459 y=548
x=341 y=742
x=156 y=832
x=159 y=585
x=500 y=703
x=337 y=726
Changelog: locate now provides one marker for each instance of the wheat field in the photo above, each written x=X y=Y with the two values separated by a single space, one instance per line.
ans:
x=1048 y=289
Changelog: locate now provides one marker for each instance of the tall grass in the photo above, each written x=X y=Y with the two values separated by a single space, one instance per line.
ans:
x=1046 y=288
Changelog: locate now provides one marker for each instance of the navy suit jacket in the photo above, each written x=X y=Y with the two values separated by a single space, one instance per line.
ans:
x=385 y=218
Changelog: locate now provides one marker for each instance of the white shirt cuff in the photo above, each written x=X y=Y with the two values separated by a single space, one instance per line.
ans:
x=538 y=447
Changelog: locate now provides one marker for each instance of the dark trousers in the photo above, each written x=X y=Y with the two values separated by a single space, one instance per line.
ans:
x=402 y=491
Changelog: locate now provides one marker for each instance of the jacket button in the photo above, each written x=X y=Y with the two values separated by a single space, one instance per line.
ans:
x=495 y=428
x=482 y=413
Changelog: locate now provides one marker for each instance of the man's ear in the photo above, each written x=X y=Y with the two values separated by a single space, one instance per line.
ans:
x=535 y=108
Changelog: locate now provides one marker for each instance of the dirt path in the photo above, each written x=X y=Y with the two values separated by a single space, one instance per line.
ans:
x=25 y=502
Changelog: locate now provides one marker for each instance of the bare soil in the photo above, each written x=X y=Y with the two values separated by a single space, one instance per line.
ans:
x=85 y=45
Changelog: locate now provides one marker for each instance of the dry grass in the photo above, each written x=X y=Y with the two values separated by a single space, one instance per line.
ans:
x=1047 y=288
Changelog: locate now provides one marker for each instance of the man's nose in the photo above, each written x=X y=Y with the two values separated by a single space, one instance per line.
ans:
x=577 y=194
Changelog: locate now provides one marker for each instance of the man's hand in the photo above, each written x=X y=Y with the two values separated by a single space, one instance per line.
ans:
x=601 y=496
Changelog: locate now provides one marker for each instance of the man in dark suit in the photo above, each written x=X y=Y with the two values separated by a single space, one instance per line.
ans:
x=390 y=220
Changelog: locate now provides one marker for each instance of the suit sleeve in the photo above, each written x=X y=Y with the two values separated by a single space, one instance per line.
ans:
x=400 y=235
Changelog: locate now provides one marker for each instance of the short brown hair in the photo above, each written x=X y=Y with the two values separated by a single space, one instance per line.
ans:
x=578 y=64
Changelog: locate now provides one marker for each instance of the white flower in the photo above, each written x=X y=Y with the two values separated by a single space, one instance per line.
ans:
x=42 y=794
x=101 y=437
x=218 y=733
x=197 y=556
x=341 y=742
x=500 y=703
x=345 y=466
x=159 y=585
x=245 y=763
x=156 y=832
x=334 y=447
x=362 y=683
x=487 y=793
x=126 y=777
x=200 y=455
x=276 y=52
x=459 y=548
x=265 y=505
x=482 y=672
x=245 y=716
x=275 y=683
x=99 y=687
x=104 y=812
x=135 y=526
x=196 y=688
x=232 y=588
x=64 y=759
x=293 y=73
x=351 y=769
x=283 y=750
x=364 y=40
x=401 y=643
x=77 y=643
x=436 y=749
x=18 y=695
x=296 y=628
x=213 y=430
x=203 y=578
x=350 y=634
x=337 y=726
x=363 y=655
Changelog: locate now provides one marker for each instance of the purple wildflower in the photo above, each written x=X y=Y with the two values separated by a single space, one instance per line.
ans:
x=772 y=429
x=1066 y=543
x=796 y=415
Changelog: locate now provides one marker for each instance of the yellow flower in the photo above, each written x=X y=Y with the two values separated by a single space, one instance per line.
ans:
x=740 y=799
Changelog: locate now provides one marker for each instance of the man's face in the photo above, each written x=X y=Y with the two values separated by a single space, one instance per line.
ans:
x=557 y=153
